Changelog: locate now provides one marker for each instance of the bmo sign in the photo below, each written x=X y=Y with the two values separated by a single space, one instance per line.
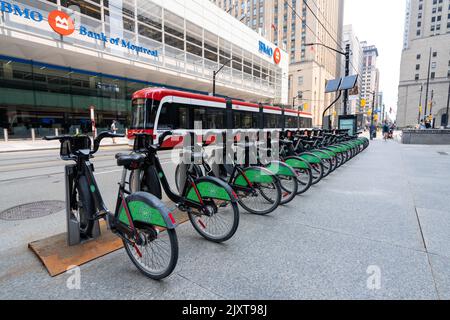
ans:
x=268 y=51
x=26 y=13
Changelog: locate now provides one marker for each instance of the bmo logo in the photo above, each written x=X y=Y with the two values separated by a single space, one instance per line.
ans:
x=277 y=56
x=268 y=51
x=61 y=23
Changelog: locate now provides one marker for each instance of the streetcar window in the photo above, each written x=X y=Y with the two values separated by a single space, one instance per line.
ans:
x=173 y=116
x=270 y=121
x=245 y=120
x=143 y=113
x=215 y=119
x=291 y=122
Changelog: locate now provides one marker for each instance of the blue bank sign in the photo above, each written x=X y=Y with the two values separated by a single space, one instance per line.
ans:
x=31 y=14
x=267 y=50
x=117 y=42
x=26 y=13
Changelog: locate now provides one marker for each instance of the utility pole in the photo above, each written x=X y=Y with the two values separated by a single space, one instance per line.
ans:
x=420 y=104
x=428 y=85
x=371 y=116
x=448 y=104
x=347 y=73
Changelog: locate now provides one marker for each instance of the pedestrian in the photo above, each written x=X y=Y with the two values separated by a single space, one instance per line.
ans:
x=114 y=130
x=386 y=130
x=422 y=125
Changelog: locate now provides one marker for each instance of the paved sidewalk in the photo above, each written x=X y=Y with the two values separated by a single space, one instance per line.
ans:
x=29 y=145
x=384 y=216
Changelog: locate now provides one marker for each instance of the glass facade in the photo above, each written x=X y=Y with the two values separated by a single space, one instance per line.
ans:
x=45 y=97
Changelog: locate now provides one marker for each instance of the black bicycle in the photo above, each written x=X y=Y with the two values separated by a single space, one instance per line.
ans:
x=210 y=203
x=141 y=220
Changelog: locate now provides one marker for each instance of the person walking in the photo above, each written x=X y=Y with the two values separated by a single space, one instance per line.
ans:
x=386 y=130
x=114 y=130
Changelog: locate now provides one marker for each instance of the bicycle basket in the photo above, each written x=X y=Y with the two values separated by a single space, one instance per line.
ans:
x=69 y=147
x=141 y=143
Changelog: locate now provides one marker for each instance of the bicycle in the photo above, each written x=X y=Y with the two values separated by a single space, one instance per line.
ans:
x=258 y=189
x=142 y=221
x=210 y=203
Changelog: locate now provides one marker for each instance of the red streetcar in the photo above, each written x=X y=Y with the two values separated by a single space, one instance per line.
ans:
x=156 y=110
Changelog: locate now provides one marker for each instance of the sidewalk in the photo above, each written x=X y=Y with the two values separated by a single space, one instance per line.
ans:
x=28 y=145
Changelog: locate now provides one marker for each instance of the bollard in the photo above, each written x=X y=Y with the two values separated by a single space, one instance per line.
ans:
x=126 y=132
x=33 y=135
x=56 y=132
x=77 y=131
x=5 y=133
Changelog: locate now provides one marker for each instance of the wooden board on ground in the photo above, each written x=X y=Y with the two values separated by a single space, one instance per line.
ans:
x=57 y=256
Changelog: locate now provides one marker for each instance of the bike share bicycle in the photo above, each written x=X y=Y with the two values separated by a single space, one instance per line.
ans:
x=210 y=203
x=259 y=190
x=141 y=220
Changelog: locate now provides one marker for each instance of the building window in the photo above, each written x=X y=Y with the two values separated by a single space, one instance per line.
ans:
x=417 y=66
x=433 y=75
x=417 y=77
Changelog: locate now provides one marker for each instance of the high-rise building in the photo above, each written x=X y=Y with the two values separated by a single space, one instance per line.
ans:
x=425 y=65
x=370 y=77
x=356 y=65
x=290 y=25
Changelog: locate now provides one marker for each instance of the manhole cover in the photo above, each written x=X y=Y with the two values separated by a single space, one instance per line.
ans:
x=32 y=210
x=443 y=153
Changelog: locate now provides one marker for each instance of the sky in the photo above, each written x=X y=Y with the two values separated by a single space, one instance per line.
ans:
x=381 y=23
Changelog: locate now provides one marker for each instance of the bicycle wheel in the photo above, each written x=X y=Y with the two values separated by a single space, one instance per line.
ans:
x=218 y=218
x=155 y=251
x=288 y=180
x=303 y=173
x=264 y=195
x=82 y=207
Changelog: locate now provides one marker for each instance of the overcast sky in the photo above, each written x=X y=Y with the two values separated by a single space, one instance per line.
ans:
x=381 y=23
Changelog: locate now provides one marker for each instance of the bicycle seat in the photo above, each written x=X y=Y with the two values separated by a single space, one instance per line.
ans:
x=130 y=161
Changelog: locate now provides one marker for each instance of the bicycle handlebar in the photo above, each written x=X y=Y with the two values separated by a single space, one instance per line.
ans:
x=52 y=138
x=97 y=140
x=102 y=136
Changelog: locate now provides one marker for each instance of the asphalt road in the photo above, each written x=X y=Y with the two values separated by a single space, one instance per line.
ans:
x=378 y=228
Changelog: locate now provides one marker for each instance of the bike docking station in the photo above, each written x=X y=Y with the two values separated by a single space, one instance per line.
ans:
x=61 y=252
x=338 y=86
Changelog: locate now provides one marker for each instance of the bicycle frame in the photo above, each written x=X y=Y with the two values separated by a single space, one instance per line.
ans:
x=153 y=161
x=85 y=168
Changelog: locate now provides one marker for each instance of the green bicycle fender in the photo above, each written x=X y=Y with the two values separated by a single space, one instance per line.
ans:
x=335 y=149
x=330 y=152
x=321 y=154
x=208 y=189
x=280 y=169
x=297 y=163
x=254 y=175
x=311 y=158
x=146 y=208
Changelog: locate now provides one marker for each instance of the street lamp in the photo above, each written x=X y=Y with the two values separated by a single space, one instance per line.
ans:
x=346 y=54
x=215 y=74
